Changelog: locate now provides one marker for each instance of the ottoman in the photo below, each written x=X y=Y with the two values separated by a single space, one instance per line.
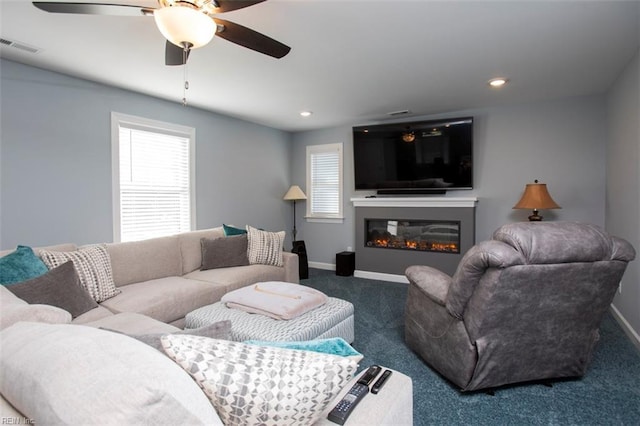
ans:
x=333 y=319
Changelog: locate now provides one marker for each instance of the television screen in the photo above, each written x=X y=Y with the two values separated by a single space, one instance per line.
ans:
x=412 y=156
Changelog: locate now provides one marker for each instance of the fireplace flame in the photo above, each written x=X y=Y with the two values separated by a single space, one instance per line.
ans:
x=415 y=245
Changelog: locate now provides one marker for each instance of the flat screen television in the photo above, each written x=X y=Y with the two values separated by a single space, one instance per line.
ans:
x=414 y=157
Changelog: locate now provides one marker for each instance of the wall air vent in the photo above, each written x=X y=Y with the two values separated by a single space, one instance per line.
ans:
x=19 y=45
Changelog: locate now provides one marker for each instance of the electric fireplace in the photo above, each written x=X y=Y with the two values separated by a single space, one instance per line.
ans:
x=393 y=233
x=419 y=235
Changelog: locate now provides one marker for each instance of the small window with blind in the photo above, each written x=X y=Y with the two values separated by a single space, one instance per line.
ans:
x=324 y=182
x=153 y=182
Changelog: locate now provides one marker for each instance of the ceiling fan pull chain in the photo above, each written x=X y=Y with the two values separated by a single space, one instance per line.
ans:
x=185 y=53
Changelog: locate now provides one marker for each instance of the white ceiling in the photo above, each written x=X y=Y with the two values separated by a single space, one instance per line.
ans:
x=352 y=61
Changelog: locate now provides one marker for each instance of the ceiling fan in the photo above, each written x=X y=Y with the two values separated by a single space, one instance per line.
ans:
x=185 y=24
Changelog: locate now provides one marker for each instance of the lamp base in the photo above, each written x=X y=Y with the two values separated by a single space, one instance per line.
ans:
x=535 y=217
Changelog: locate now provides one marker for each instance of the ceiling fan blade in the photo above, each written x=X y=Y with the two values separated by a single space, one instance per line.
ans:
x=93 y=8
x=229 y=5
x=174 y=55
x=251 y=39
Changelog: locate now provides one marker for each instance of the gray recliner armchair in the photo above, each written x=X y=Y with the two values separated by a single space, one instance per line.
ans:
x=523 y=306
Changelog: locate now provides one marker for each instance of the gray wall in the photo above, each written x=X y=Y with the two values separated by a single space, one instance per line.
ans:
x=623 y=182
x=55 y=160
x=562 y=143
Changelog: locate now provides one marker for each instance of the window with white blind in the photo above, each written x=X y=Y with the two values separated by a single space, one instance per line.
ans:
x=324 y=182
x=152 y=178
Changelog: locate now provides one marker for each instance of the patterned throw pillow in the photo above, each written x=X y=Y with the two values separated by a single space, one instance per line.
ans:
x=93 y=266
x=265 y=247
x=250 y=384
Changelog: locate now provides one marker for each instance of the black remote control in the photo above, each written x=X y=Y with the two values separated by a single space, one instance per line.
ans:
x=343 y=409
x=371 y=374
x=380 y=382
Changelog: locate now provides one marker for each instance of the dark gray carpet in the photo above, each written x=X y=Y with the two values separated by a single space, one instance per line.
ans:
x=609 y=394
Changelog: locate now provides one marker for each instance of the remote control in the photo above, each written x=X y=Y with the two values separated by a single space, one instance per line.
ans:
x=371 y=374
x=380 y=382
x=343 y=409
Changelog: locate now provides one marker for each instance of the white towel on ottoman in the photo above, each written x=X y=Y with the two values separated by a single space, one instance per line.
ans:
x=275 y=299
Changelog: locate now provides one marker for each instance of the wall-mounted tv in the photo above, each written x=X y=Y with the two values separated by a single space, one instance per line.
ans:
x=414 y=157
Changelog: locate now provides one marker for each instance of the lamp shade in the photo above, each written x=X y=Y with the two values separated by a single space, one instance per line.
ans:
x=294 y=193
x=182 y=24
x=536 y=196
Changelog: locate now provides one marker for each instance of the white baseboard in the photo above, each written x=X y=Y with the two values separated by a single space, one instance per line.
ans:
x=626 y=327
x=320 y=265
x=363 y=274
x=381 y=276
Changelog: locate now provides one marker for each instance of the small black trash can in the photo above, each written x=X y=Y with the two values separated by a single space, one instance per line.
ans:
x=345 y=263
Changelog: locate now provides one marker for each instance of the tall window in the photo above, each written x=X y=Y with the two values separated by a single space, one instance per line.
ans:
x=152 y=178
x=324 y=181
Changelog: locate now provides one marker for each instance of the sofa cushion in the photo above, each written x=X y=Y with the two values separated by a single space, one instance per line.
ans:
x=20 y=265
x=59 y=287
x=165 y=299
x=93 y=265
x=265 y=247
x=137 y=261
x=224 y=252
x=13 y=310
x=235 y=277
x=261 y=385
x=107 y=378
x=93 y=315
x=131 y=323
x=191 y=249
x=217 y=330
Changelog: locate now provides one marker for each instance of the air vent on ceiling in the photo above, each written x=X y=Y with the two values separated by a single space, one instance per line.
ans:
x=18 y=45
x=394 y=113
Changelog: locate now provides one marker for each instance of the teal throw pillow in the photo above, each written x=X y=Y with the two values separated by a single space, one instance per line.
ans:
x=232 y=230
x=21 y=265
x=332 y=346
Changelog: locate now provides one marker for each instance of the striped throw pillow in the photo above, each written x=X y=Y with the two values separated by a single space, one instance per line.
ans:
x=265 y=247
x=93 y=266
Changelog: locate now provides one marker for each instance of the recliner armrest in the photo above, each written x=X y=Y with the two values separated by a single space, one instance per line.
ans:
x=431 y=281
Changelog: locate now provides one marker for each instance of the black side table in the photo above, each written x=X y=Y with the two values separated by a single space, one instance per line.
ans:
x=303 y=264
x=345 y=263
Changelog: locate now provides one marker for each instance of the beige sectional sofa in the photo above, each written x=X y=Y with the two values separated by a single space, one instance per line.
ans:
x=160 y=278
x=56 y=370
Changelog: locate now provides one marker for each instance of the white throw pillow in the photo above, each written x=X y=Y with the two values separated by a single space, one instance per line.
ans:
x=93 y=266
x=265 y=247
x=79 y=375
x=250 y=384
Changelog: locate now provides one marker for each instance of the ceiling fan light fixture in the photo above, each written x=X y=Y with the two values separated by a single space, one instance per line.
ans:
x=182 y=24
x=498 y=82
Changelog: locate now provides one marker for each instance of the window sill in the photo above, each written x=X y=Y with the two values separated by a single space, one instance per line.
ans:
x=315 y=219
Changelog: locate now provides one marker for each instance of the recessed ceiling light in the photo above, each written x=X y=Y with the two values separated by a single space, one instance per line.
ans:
x=306 y=113
x=498 y=82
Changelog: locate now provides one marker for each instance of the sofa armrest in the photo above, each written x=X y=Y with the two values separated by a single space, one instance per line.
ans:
x=15 y=310
x=392 y=406
x=432 y=282
x=291 y=268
